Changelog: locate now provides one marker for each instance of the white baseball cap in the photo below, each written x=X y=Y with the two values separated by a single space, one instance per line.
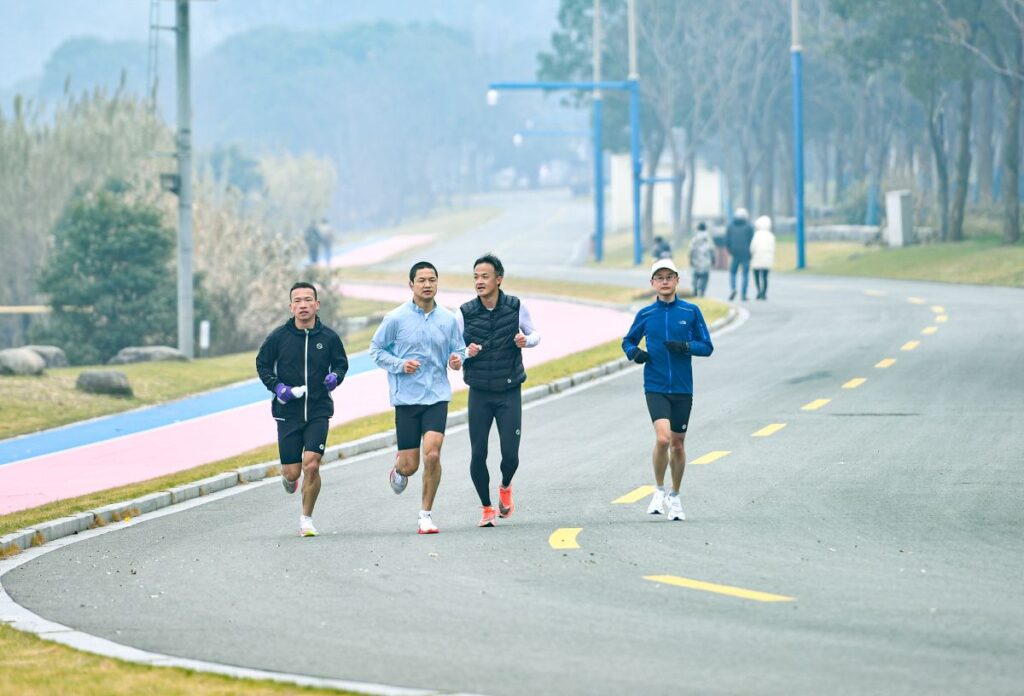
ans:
x=663 y=263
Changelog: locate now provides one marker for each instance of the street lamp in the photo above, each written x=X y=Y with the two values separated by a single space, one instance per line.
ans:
x=631 y=86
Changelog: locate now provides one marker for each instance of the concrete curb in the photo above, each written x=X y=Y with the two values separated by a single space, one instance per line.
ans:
x=39 y=534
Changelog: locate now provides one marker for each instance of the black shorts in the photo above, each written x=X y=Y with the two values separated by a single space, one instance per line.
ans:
x=673 y=407
x=295 y=436
x=412 y=421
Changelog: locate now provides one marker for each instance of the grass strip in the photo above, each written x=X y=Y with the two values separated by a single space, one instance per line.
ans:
x=32 y=666
x=982 y=261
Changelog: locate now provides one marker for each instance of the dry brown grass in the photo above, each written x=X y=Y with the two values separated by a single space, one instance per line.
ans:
x=30 y=666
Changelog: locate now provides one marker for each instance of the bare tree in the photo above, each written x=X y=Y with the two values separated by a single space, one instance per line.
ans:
x=997 y=41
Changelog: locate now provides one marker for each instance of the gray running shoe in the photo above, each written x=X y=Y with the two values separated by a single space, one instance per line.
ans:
x=398 y=481
x=289 y=486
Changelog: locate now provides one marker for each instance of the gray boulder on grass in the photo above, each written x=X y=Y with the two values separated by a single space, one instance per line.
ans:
x=104 y=382
x=21 y=361
x=53 y=355
x=136 y=354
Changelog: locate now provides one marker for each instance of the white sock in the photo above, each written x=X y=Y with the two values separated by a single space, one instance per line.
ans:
x=424 y=513
x=675 y=493
x=660 y=488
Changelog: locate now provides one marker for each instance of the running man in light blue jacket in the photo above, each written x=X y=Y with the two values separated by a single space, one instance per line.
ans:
x=416 y=343
x=674 y=331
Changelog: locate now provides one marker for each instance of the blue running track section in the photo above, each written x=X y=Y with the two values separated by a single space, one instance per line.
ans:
x=117 y=425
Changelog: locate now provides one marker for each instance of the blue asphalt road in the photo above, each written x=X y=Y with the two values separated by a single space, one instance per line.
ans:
x=109 y=427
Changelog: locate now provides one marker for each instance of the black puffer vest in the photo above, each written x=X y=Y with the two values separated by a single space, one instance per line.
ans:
x=499 y=366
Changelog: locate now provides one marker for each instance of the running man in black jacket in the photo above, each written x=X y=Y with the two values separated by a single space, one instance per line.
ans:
x=302 y=362
x=496 y=328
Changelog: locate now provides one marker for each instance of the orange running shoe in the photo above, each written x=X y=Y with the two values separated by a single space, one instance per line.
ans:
x=487 y=518
x=505 y=505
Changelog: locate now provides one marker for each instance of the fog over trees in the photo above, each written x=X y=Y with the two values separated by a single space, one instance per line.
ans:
x=376 y=115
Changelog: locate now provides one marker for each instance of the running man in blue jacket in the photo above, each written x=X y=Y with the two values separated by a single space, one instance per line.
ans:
x=674 y=331
x=417 y=343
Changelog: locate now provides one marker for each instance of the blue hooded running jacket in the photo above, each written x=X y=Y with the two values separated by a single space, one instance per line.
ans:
x=665 y=372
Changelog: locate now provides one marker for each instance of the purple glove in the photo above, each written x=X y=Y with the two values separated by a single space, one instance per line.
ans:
x=284 y=392
x=331 y=381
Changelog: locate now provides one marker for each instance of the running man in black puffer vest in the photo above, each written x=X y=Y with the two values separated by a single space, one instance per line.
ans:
x=496 y=328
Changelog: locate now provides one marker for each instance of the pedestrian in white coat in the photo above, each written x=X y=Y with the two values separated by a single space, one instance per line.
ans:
x=762 y=254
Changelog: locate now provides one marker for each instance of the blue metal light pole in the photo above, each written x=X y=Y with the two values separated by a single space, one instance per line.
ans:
x=798 y=133
x=634 y=127
x=631 y=86
x=598 y=129
x=634 y=150
x=598 y=178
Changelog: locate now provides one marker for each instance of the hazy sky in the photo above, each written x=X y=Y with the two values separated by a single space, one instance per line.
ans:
x=31 y=29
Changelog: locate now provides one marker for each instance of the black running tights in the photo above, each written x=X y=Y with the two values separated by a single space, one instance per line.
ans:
x=486 y=407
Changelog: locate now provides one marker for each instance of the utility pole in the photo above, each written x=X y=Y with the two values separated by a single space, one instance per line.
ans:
x=184 y=142
x=598 y=137
x=634 y=132
x=798 y=131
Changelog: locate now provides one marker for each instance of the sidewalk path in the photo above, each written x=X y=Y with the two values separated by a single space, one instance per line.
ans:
x=189 y=439
x=369 y=253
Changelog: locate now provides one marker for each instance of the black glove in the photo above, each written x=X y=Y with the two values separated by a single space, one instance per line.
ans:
x=641 y=356
x=681 y=347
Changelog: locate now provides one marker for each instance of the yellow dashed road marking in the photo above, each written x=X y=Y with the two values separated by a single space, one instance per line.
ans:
x=635 y=495
x=854 y=383
x=938 y=309
x=910 y=345
x=565 y=538
x=769 y=430
x=711 y=456
x=915 y=300
x=887 y=362
x=941 y=319
x=718 y=589
x=929 y=330
x=814 y=405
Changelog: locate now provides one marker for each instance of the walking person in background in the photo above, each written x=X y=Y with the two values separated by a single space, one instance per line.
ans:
x=416 y=343
x=661 y=248
x=496 y=328
x=702 y=257
x=674 y=331
x=312 y=237
x=326 y=239
x=302 y=362
x=737 y=239
x=762 y=254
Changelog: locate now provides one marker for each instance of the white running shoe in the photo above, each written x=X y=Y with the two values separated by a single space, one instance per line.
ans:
x=398 y=481
x=289 y=486
x=675 y=508
x=657 y=506
x=306 y=527
x=427 y=525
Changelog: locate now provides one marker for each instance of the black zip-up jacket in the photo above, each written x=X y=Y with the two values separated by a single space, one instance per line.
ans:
x=299 y=357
